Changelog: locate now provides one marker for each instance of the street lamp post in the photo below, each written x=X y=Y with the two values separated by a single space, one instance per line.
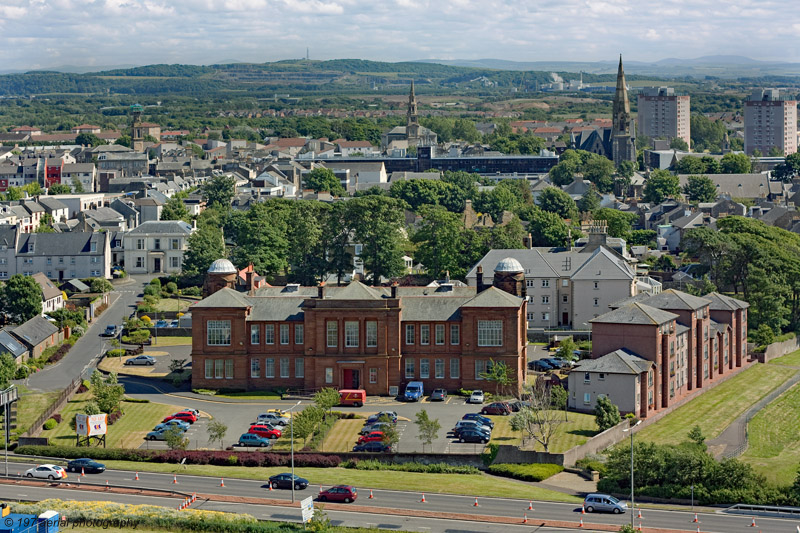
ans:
x=291 y=436
x=630 y=429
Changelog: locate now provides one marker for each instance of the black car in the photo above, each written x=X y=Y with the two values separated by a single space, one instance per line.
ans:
x=556 y=362
x=438 y=395
x=376 y=447
x=86 y=465
x=285 y=480
x=471 y=429
x=485 y=420
x=470 y=435
x=540 y=365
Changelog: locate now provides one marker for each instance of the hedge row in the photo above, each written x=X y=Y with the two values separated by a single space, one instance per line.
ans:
x=434 y=468
x=59 y=353
x=530 y=472
x=199 y=457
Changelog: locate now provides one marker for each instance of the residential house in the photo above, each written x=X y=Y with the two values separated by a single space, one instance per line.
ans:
x=63 y=256
x=10 y=345
x=619 y=375
x=54 y=207
x=52 y=298
x=36 y=335
x=84 y=174
x=9 y=235
x=156 y=247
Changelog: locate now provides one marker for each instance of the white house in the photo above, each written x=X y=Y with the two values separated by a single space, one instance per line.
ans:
x=156 y=246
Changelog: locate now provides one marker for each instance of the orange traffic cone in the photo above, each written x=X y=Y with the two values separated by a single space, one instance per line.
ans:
x=583 y=509
x=174 y=480
x=525 y=518
x=530 y=505
x=270 y=487
x=753 y=523
x=82 y=472
x=320 y=489
x=640 y=513
x=107 y=487
x=423 y=498
x=581 y=524
x=695 y=518
x=476 y=503
x=194 y=497
x=640 y=526
x=221 y=482
x=370 y=495
x=136 y=477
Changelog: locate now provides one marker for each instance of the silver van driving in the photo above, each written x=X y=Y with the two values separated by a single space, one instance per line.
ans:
x=604 y=503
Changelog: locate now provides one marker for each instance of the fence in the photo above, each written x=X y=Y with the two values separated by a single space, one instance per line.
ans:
x=62 y=398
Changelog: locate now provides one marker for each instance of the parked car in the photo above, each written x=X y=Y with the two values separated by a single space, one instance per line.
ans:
x=540 y=365
x=476 y=397
x=375 y=447
x=112 y=330
x=266 y=431
x=180 y=424
x=253 y=439
x=516 y=405
x=86 y=465
x=497 y=408
x=415 y=390
x=278 y=412
x=471 y=424
x=438 y=395
x=161 y=324
x=377 y=426
x=52 y=472
x=286 y=480
x=374 y=436
x=273 y=419
x=391 y=415
x=141 y=360
x=352 y=397
x=485 y=420
x=160 y=434
x=556 y=362
x=604 y=503
x=173 y=324
x=185 y=416
x=470 y=435
x=339 y=493
x=195 y=412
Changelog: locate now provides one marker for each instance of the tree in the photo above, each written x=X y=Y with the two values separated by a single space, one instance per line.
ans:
x=642 y=237
x=500 y=374
x=59 y=188
x=696 y=435
x=389 y=430
x=107 y=393
x=77 y=186
x=690 y=165
x=589 y=201
x=218 y=192
x=763 y=336
x=626 y=169
x=546 y=229
x=664 y=263
x=306 y=421
x=600 y=171
x=175 y=209
x=323 y=179
x=204 y=247
x=8 y=368
x=706 y=134
x=305 y=234
x=620 y=223
x=606 y=414
x=556 y=201
x=440 y=241
x=216 y=431
x=124 y=140
x=496 y=201
x=660 y=186
x=13 y=194
x=175 y=440
x=566 y=349
x=21 y=298
x=563 y=173
x=699 y=189
x=735 y=164
x=326 y=398
x=539 y=420
x=427 y=428
x=508 y=236
x=337 y=233
x=678 y=144
x=261 y=237
x=558 y=397
x=379 y=223
x=89 y=139
x=101 y=285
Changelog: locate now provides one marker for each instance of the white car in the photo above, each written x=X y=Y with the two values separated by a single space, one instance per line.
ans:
x=52 y=472
x=273 y=418
x=476 y=397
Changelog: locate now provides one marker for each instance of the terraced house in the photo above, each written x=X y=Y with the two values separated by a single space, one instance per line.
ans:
x=375 y=338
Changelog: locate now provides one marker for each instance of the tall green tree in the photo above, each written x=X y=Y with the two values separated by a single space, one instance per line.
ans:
x=8 y=368
x=660 y=186
x=337 y=231
x=620 y=223
x=218 y=192
x=509 y=236
x=440 y=241
x=379 y=223
x=59 y=188
x=699 y=189
x=305 y=234
x=89 y=139
x=107 y=393
x=427 y=427
x=205 y=245
x=175 y=209
x=563 y=173
x=21 y=298
x=600 y=171
x=589 y=201
x=606 y=414
x=546 y=229
x=323 y=179
x=559 y=202
x=735 y=164
x=261 y=238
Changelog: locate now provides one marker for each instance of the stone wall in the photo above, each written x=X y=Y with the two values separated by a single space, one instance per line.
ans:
x=778 y=349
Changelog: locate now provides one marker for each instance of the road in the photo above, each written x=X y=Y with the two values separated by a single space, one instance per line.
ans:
x=719 y=522
x=88 y=348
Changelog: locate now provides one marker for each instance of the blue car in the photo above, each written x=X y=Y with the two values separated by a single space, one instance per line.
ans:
x=161 y=324
x=251 y=439
x=485 y=420
x=180 y=424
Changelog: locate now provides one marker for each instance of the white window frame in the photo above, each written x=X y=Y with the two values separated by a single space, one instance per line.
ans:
x=228 y=368
x=218 y=333
x=219 y=368
x=438 y=334
x=209 y=364
x=332 y=334
x=269 y=334
x=480 y=368
x=255 y=334
x=490 y=332
x=587 y=398
x=255 y=367
x=284 y=334
x=410 y=334
x=269 y=368
x=371 y=334
x=545 y=283
x=299 y=367
x=410 y=368
x=284 y=367
x=424 y=368
x=455 y=334
x=424 y=334
x=298 y=334
x=373 y=375
x=438 y=369
x=545 y=300
x=455 y=368
x=351 y=334
x=329 y=375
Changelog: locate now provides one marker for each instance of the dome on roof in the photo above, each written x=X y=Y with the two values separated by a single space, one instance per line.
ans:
x=509 y=264
x=222 y=266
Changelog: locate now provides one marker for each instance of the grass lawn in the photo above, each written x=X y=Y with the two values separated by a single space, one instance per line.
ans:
x=249 y=395
x=127 y=432
x=774 y=448
x=117 y=364
x=792 y=359
x=469 y=484
x=578 y=429
x=30 y=406
x=343 y=436
x=174 y=304
x=170 y=341
x=714 y=410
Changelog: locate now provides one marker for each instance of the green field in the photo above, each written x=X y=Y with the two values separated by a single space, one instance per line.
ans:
x=170 y=341
x=774 y=448
x=714 y=410
x=174 y=304
x=792 y=359
x=30 y=406
x=579 y=428
x=127 y=432
x=343 y=436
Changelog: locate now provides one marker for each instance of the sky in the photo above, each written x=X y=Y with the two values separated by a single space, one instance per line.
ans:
x=38 y=34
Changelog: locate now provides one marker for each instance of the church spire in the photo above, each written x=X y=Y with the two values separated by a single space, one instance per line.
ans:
x=412 y=120
x=621 y=131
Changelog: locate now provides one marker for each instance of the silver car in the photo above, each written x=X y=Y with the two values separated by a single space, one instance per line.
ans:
x=604 y=503
x=141 y=360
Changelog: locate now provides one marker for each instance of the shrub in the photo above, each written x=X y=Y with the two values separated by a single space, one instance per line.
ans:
x=77 y=332
x=435 y=468
x=117 y=352
x=136 y=400
x=590 y=463
x=172 y=287
x=192 y=291
x=526 y=472
x=152 y=290
x=50 y=424
x=57 y=417
x=22 y=372
x=113 y=417
x=489 y=453
x=156 y=282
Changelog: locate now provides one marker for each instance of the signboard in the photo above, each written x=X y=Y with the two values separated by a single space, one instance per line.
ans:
x=91 y=425
x=307 y=508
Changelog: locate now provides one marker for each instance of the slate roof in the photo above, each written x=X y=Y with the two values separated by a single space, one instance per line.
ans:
x=680 y=329
x=76 y=285
x=72 y=243
x=8 y=235
x=494 y=297
x=10 y=344
x=278 y=309
x=605 y=265
x=619 y=361
x=161 y=226
x=354 y=291
x=720 y=302
x=719 y=327
x=675 y=299
x=635 y=313
x=51 y=203
x=432 y=308
x=34 y=331
x=224 y=298
x=49 y=290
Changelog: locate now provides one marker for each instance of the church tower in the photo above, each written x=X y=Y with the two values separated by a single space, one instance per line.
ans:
x=137 y=132
x=412 y=122
x=623 y=148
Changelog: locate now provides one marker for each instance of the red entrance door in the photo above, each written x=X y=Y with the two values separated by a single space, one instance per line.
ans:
x=351 y=378
x=565 y=319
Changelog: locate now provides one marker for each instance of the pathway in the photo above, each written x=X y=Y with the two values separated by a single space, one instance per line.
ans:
x=732 y=442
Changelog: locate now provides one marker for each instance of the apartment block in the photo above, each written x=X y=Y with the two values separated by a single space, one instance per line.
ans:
x=662 y=113
x=770 y=121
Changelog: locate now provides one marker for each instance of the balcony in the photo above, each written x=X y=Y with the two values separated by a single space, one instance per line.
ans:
x=648 y=285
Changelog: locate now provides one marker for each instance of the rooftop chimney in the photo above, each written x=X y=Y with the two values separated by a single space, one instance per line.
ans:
x=479 y=280
x=394 y=290
x=321 y=290
x=250 y=277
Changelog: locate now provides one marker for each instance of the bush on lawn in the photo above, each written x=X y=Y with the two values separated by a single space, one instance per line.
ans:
x=592 y=462
x=434 y=468
x=113 y=417
x=136 y=400
x=192 y=291
x=116 y=352
x=50 y=424
x=529 y=472
x=57 y=418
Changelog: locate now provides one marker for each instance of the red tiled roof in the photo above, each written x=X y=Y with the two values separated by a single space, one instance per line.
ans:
x=547 y=130
x=291 y=142
x=150 y=125
x=23 y=129
x=354 y=144
x=86 y=127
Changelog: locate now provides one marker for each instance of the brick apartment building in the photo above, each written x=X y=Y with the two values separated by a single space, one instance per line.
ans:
x=375 y=338
x=651 y=351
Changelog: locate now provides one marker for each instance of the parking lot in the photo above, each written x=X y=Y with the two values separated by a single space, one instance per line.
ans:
x=197 y=435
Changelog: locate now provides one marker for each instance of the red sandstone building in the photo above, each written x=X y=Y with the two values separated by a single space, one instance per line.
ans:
x=374 y=338
x=651 y=351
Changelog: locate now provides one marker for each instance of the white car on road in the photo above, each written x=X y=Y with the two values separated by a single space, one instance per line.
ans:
x=46 y=472
x=476 y=397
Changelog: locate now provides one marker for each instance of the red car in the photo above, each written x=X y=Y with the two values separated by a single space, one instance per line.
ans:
x=186 y=416
x=339 y=493
x=497 y=408
x=263 y=430
x=374 y=436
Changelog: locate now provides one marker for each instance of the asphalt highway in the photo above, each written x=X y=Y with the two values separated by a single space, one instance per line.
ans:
x=719 y=522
